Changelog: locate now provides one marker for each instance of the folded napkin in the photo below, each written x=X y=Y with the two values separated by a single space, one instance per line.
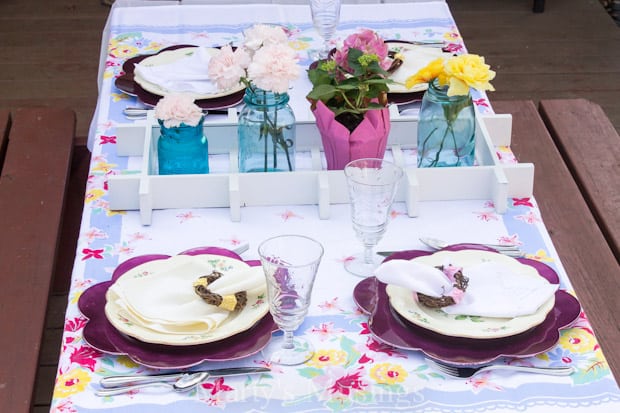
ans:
x=414 y=59
x=165 y=301
x=495 y=289
x=187 y=74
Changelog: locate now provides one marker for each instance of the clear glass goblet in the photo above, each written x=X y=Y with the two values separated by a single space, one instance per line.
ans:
x=372 y=185
x=325 y=16
x=290 y=263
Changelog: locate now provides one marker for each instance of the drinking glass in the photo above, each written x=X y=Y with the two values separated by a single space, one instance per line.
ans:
x=372 y=185
x=290 y=263
x=325 y=16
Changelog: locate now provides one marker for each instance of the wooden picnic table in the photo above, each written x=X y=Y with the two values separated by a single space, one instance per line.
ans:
x=576 y=153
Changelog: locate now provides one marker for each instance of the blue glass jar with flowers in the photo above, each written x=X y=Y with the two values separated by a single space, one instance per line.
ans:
x=446 y=127
x=265 y=64
x=182 y=147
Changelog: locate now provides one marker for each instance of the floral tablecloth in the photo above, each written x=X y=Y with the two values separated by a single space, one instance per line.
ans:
x=351 y=370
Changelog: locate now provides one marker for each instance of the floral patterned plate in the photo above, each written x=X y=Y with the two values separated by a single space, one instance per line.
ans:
x=390 y=328
x=434 y=319
x=183 y=267
x=100 y=334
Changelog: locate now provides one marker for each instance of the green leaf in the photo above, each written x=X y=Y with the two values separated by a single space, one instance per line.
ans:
x=319 y=77
x=322 y=92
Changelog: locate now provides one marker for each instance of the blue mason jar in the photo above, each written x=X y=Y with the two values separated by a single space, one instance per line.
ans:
x=266 y=132
x=183 y=150
x=446 y=129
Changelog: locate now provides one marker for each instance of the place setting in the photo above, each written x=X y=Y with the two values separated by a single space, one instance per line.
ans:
x=466 y=304
x=176 y=69
x=205 y=304
x=157 y=310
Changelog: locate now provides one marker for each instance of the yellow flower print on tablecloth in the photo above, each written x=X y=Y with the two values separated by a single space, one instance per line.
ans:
x=577 y=340
x=127 y=362
x=324 y=358
x=388 y=373
x=121 y=50
x=103 y=166
x=70 y=383
x=94 y=195
x=298 y=45
x=540 y=255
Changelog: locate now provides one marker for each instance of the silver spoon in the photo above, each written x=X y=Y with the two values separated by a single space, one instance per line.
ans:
x=184 y=383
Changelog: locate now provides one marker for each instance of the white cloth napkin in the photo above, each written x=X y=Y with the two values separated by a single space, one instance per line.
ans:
x=165 y=301
x=188 y=74
x=414 y=59
x=494 y=290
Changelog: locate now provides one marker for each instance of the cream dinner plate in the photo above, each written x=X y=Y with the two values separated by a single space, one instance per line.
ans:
x=170 y=56
x=188 y=266
x=415 y=58
x=402 y=300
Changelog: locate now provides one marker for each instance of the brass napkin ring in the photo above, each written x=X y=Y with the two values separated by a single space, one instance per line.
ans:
x=230 y=302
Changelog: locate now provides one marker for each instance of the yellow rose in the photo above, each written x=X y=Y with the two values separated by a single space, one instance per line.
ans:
x=434 y=69
x=387 y=373
x=70 y=383
x=468 y=70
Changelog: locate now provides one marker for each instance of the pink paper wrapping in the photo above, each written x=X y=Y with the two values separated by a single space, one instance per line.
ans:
x=368 y=140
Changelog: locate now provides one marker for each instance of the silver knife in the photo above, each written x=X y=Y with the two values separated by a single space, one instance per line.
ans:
x=120 y=381
x=386 y=253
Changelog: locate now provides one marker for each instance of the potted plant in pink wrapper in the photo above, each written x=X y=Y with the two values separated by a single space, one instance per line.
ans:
x=349 y=99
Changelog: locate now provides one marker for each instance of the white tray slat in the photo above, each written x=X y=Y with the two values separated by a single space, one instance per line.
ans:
x=146 y=191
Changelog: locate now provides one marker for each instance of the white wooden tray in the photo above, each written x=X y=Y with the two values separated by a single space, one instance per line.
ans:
x=146 y=191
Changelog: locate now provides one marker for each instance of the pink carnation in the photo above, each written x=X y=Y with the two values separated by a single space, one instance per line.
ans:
x=227 y=67
x=261 y=35
x=177 y=108
x=273 y=67
x=368 y=42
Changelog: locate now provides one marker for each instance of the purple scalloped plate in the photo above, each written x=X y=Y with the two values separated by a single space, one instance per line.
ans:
x=100 y=334
x=126 y=84
x=390 y=328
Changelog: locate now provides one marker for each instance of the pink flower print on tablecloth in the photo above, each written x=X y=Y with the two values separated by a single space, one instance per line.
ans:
x=85 y=356
x=522 y=201
x=487 y=216
x=90 y=253
x=529 y=218
x=348 y=383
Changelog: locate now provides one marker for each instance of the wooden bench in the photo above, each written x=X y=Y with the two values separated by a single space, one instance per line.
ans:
x=36 y=150
x=566 y=206
x=590 y=146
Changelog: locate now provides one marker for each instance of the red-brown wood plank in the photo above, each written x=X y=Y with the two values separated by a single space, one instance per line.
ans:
x=32 y=191
x=589 y=261
x=590 y=147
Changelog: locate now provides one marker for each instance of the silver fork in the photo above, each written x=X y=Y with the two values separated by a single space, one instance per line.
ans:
x=467 y=372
